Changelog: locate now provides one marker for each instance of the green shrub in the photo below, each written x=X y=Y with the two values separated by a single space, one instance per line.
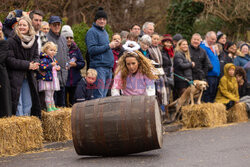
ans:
x=80 y=31
x=181 y=16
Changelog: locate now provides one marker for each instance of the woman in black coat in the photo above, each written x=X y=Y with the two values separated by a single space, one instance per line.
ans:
x=182 y=67
x=22 y=63
x=5 y=94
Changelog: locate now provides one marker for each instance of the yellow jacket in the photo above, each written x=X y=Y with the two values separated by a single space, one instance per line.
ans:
x=228 y=87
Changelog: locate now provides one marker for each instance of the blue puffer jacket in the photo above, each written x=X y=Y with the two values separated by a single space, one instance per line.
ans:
x=242 y=61
x=74 y=73
x=45 y=67
x=215 y=72
x=97 y=41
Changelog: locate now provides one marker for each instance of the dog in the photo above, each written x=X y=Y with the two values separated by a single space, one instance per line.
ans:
x=193 y=91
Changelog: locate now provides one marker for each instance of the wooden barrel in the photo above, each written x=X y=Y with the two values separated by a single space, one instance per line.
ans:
x=115 y=126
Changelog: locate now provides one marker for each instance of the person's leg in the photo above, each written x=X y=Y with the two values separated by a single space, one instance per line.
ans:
x=207 y=93
x=48 y=100
x=26 y=98
x=19 y=111
x=100 y=83
x=108 y=80
x=230 y=104
x=59 y=97
x=71 y=95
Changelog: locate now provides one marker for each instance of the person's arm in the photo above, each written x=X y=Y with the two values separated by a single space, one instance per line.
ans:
x=79 y=62
x=179 y=62
x=117 y=85
x=12 y=61
x=150 y=87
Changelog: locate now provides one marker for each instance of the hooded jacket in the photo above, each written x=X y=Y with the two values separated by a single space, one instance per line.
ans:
x=228 y=87
x=45 y=66
x=242 y=60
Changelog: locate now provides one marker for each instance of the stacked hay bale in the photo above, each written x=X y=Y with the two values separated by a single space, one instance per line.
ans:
x=57 y=125
x=237 y=113
x=204 y=115
x=20 y=134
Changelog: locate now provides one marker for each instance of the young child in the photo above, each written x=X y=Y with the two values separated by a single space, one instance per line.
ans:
x=84 y=88
x=228 y=93
x=47 y=77
x=116 y=51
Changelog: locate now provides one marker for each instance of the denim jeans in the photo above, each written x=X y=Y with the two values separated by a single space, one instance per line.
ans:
x=25 y=102
x=210 y=94
x=103 y=81
x=59 y=97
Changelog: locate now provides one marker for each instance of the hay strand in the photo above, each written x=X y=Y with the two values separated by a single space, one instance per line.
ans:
x=204 y=115
x=57 y=125
x=20 y=134
x=237 y=113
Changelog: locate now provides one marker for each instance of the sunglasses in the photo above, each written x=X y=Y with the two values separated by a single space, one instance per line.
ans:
x=69 y=37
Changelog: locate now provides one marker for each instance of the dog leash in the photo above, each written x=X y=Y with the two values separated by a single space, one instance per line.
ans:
x=185 y=79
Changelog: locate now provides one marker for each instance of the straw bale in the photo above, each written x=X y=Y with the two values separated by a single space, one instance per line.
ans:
x=237 y=113
x=204 y=115
x=20 y=134
x=57 y=125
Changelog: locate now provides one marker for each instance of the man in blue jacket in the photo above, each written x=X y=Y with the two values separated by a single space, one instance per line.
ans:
x=100 y=53
x=212 y=75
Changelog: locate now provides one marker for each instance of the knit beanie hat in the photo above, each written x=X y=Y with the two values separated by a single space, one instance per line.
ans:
x=177 y=37
x=100 y=14
x=219 y=37
x=228 y=44
x=244 y=44
x=67 y=31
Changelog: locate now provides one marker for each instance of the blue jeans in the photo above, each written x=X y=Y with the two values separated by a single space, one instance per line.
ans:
x=103 y=81
x=59 y=97
x=25 y=102
x=210 y=94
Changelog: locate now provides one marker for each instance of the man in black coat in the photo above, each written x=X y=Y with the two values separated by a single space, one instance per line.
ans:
x=5 y=91
x=199 y=57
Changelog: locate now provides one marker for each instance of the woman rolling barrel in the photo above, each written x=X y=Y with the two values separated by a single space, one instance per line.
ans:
x=134 y=75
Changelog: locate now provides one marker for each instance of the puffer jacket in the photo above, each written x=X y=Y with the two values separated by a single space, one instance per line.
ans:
x=182 y=67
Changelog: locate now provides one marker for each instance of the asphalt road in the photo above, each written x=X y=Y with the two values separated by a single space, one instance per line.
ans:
x=218 y=147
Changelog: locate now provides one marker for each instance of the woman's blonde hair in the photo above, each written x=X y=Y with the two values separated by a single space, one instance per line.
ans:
x=31 y=31
x=144 y=66
x=178 y=49
x=48 y=45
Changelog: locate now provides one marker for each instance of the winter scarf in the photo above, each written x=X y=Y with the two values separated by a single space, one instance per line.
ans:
x=170 y=51
x=28 y=41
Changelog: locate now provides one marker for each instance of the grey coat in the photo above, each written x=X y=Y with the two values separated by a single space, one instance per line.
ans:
x=61 y=56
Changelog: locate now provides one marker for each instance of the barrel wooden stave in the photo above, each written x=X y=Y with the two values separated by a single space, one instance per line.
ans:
x=116 y=126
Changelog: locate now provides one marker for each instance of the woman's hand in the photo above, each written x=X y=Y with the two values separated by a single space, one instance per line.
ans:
x=193 y=64
x=34 y=65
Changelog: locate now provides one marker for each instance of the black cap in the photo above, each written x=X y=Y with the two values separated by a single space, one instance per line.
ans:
x=219 y=36
x=100 y=14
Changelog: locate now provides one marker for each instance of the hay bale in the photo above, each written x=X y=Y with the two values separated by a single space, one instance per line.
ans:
x=237 y=113
x=20 y=134
x=57 y=125
x=204 y=115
